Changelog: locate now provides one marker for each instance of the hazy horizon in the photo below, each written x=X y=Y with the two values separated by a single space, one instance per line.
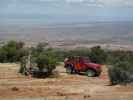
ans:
x=50 y=20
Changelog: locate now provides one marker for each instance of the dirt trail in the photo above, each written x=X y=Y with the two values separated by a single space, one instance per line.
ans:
x=14 y=86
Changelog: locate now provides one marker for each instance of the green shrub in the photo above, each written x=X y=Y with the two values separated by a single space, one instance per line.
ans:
x=116 y=56
x=121 y=71
x=44 y=61
x=3 y=57
x=79 y=52
x=12 y=51
x=98 y=55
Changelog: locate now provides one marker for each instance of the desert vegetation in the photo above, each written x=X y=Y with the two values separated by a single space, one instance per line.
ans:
x=43 y=58
x=120 y=63
x=120 y=67
x=12 y=52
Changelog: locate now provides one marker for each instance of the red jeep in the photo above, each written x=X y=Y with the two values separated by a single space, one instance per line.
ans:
x=82 y=65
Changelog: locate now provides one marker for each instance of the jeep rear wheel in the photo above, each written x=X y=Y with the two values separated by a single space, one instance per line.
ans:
x=90 y=73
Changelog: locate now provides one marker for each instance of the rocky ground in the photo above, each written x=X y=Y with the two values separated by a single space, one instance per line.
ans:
x=61 y=86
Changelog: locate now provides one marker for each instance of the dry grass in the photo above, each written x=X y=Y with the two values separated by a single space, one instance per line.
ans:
x=62 y=87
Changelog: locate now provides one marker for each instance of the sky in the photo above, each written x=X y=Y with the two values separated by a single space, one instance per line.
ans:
x=65 y=11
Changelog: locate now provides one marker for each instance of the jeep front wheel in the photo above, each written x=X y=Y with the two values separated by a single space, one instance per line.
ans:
x=90 y=73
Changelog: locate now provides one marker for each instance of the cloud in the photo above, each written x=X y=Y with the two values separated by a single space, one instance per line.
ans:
x=106 y=3
x=95 y=3
x=69 y=1
x=116 y=3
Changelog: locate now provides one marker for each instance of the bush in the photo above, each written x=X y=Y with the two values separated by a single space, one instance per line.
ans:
x=116 y=56
x=12 y=52
x=79 y=52
x=121 y=71
x=41 y=46
x=3 y=55
x=44 y=61
x=98 y=55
